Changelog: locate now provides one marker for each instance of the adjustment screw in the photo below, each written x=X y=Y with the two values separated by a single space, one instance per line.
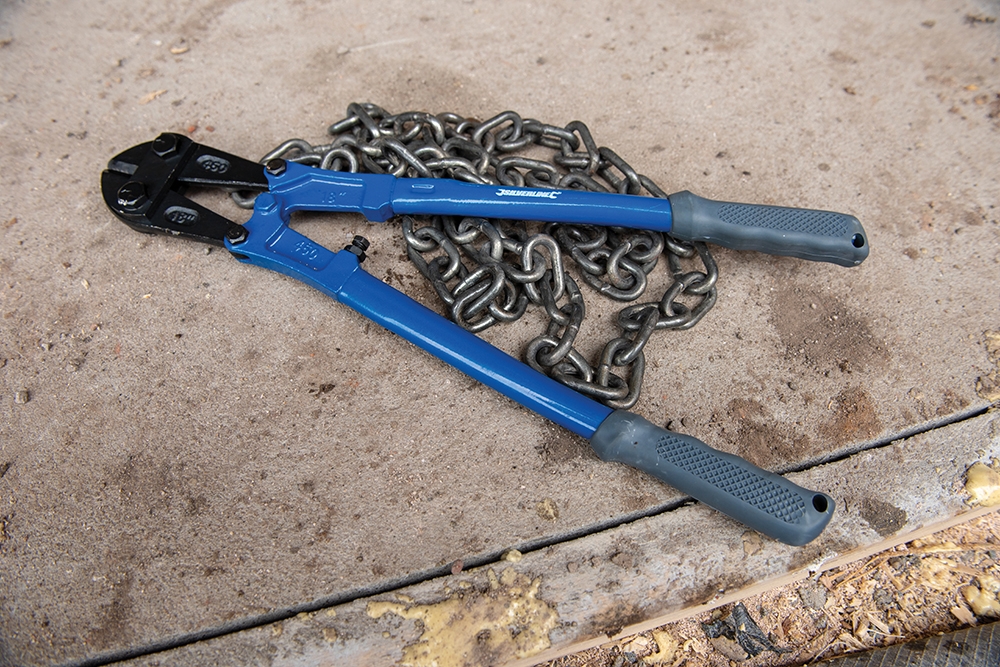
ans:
x=132 y=195
x=358 y=247
x=165 y=145
x=236 y=234
x=275 y=167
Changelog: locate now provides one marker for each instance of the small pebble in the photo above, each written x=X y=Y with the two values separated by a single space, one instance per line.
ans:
x=884 y=600
x=22 y=396
x=813 y=597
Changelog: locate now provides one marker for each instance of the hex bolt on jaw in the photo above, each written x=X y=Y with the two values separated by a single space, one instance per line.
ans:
x=275 y=167
x=132 y=195
x=236 y=234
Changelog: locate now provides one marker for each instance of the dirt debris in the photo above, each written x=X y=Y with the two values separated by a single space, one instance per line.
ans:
x=507 y=621
x=937 y=584
x=988 y=385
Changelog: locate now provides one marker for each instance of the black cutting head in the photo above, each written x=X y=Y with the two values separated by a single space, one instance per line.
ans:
x=144 y=187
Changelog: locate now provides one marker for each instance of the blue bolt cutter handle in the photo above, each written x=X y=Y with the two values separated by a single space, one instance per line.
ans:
x=823 y=236
x=141 y=186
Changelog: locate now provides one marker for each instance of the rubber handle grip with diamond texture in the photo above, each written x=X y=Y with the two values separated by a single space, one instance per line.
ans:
x=760 y=499
x=823 y=236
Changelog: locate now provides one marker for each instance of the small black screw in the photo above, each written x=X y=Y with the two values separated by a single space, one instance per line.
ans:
x=165 y=145
x=236 y=234
x=358 y=247
x=276 y=167
x=132 y=195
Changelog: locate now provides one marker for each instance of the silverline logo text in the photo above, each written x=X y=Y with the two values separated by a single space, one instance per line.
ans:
x=544 y=194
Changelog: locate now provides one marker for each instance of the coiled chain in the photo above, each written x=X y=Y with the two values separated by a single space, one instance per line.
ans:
x=490 y=271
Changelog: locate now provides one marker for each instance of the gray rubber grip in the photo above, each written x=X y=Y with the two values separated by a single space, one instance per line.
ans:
x=822 y=236
x=760 y=499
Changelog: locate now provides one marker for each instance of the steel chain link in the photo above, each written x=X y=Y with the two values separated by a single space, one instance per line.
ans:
x=487 y=272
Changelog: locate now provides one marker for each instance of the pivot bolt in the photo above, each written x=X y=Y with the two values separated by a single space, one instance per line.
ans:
x=165 y=145
x=236 y=234
x=276 y=167
x=358 y=247
x=132 y=195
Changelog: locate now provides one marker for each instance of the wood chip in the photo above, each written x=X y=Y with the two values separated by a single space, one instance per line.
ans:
x=964 y=614
x=882 y=627
x=851 y=642
x=178 y=50
x=151 y=96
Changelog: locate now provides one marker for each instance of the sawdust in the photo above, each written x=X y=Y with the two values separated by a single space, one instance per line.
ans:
x=149 y=97
x=941 y=583
x=666 y=652
x=983 y=484
x=505 y=622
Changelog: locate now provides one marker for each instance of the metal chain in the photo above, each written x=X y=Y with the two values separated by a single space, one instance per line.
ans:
x=488 y=272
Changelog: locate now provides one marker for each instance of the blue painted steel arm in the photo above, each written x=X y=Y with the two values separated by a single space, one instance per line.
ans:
x=272 y=244
x=815 y=235
x=380 y=196
x=760 y=499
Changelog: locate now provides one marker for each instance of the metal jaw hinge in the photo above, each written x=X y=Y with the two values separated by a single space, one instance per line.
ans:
x=144 y=186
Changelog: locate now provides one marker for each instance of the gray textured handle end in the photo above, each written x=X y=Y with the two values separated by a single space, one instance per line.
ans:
x=822 y=236
x=760 y=499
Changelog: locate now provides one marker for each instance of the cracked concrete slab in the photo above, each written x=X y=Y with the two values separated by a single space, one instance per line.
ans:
x=579 y=594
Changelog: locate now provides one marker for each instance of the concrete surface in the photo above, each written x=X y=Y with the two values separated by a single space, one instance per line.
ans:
x=168 y=466
x=578 y=594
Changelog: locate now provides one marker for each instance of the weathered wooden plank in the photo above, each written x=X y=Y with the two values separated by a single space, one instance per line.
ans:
x=578 y=594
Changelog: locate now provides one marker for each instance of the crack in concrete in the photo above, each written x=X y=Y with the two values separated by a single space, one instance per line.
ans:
x=492 y=558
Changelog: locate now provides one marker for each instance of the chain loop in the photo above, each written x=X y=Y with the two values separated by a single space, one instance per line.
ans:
x=510 y=266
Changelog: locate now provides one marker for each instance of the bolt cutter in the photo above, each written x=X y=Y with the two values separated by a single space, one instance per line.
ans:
x=144 y=187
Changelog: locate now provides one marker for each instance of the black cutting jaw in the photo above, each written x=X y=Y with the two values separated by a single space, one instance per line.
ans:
x=144 y=186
